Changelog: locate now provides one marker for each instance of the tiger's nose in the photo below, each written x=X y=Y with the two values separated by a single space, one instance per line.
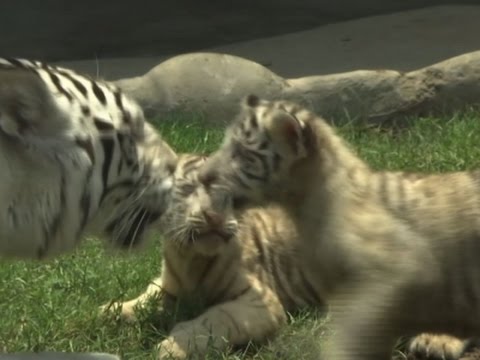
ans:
x=212 y=218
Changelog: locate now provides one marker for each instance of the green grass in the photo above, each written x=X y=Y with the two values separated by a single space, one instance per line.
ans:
x=53 y=305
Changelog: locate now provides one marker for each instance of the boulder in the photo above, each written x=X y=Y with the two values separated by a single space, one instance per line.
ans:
x=207 y=83
x=213 y=84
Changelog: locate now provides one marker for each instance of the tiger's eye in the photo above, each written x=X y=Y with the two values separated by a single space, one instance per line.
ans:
x=171 y=167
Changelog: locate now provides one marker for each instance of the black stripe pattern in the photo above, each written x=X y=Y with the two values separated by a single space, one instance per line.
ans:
x=102 y=128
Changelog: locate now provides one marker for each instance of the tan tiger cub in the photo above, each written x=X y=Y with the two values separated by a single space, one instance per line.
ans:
x=412 y=234
x=249 y=272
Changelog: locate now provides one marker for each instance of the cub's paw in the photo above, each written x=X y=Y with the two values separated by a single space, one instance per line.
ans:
x=170 y=349
x=433 y=347
x=124 y=311
x=471 y=350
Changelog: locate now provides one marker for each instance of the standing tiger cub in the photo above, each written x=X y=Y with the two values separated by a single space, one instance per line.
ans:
x=247 y=270
x=77 y=157
x=407 y=243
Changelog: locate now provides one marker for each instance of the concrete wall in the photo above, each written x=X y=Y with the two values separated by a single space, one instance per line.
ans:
x=68 y=29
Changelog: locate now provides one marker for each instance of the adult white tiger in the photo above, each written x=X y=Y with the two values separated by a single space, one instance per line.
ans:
x=76 y=157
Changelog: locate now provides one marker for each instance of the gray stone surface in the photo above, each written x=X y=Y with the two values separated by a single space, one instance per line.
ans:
x=385 y=95
x=213 y=84
x=89 y=29
x=406 y=41
x=58 y=356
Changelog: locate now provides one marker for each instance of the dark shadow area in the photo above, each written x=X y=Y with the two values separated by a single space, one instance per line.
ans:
x=62 y=30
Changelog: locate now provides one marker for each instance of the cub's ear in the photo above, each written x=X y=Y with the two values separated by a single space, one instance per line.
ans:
x=26 y=106
x=283 y=127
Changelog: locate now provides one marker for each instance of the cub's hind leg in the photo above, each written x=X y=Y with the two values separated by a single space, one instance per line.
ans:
x=254 y=315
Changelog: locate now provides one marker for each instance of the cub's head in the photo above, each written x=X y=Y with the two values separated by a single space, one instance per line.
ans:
x=261 y=149
x=200 y=215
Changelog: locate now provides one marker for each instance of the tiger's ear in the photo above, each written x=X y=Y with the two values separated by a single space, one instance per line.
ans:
x=26 y=106
x=285 y=128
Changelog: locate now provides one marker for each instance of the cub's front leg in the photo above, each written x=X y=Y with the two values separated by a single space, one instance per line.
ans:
x=128 y=308
x=254 y=315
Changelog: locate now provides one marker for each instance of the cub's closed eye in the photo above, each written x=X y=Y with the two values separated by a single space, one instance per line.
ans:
x=207 y=178
x=186 y=189
x=239 y=202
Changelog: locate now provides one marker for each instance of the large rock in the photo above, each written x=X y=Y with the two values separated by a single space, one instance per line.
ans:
x=213 y=84
x=202 y=82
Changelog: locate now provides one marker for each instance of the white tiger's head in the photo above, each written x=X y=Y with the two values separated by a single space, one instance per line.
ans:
x=134 y=207
x=110 y=169
x=260 y=150
x=200 y=215
x=140 y=181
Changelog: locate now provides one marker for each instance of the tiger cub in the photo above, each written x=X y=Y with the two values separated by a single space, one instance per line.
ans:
x=247 y=270
x=413 y=235
x=76 y=158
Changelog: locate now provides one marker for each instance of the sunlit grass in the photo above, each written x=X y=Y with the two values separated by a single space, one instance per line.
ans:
x=53 y=305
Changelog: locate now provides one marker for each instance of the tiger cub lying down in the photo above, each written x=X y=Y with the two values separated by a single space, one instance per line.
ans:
x=422 y=229
x=248 y=270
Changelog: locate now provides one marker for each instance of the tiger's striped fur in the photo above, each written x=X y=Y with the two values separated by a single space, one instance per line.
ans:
x=405 y=243
x=247 y=270
x=77 y=157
